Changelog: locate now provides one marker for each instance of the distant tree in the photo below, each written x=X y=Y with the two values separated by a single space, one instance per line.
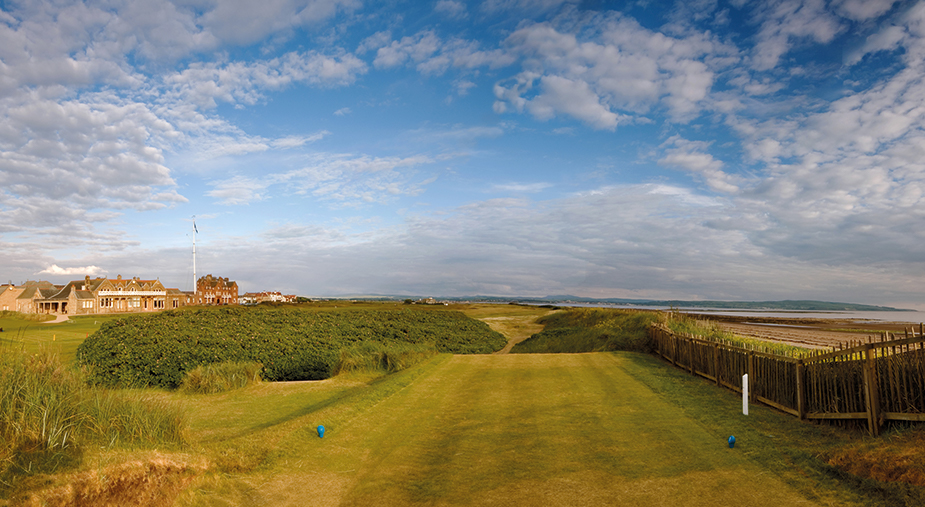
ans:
x=301 y=299
x=408 y=302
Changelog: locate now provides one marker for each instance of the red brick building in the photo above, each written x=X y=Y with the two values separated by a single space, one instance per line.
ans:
x=212 y=290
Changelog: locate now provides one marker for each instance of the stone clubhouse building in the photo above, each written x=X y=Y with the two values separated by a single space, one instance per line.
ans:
x=107 y=296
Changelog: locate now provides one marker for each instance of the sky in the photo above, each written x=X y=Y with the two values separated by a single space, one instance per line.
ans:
x=706 y=149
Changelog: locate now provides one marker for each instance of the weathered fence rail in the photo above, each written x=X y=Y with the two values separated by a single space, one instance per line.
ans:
x=877 y=381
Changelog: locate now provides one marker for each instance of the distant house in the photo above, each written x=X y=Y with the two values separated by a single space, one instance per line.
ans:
x=92 y=296
x=212 y=290
x=254 y=298
x=430 y=301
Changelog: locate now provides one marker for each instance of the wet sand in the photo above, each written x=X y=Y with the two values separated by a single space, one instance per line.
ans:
x=809 y=333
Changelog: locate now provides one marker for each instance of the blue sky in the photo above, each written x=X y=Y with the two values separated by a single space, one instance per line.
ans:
x=693 y=150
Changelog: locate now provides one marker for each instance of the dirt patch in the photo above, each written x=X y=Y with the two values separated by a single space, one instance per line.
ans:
x=153 y=482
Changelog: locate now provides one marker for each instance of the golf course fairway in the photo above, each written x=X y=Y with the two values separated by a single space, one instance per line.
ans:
x=537 y=429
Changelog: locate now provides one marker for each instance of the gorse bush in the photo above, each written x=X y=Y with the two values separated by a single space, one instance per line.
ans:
x=590 y=330
x=221 y=377
x=290 y=343
x=48 y=413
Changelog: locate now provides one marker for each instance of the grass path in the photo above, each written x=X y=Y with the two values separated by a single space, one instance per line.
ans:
x=584 y=429
x=515 y=329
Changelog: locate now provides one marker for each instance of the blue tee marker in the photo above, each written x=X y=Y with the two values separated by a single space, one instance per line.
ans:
x=732 y=442
x=321 y=431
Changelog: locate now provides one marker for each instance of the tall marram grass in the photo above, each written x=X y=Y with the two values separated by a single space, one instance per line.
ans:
x=591 y=330
x=221 y=377
x=48 y=413
x=714 y=331
x=373 y=357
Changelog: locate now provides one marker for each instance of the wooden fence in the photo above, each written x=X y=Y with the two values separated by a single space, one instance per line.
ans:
x=877 y=381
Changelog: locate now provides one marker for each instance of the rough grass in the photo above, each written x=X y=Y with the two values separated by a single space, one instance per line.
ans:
x=49 y=416
x=220 y=377
x=149 y=479
x=590 y=330
x=383 y=358
x=711 y=330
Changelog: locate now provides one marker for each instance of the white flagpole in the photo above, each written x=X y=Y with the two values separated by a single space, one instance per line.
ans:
x=194 y=254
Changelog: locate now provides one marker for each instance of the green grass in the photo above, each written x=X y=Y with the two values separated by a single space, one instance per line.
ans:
x=63 y=338
x=588 y=429
x=567 y=429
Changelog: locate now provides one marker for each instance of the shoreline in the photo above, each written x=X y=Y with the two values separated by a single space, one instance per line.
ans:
x=808 y=332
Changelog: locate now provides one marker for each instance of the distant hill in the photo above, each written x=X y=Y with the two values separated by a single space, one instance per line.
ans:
x=792 y=305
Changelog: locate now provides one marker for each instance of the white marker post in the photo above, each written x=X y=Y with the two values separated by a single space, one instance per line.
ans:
x=745 y=394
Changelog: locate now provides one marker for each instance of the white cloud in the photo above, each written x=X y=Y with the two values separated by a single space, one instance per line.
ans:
x=887 y=39
x=244 y=22
x=614 y=241
x=54 y=269
x=339 y=179
x=432 y=56
x=521 y=188
x=82 y=154
x=243 y=83
x=616 y=72
x=451 y=8
x=787 y=22
x=861 y=10
x=574 y=98
x=344 y=111
x=374 y=42
x=239 y=190
x=297 y=141
x=532 y=6
x=409 y=49
x=692 y=156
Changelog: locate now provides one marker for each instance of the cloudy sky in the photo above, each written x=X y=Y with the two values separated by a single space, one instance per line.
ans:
x=707 y=149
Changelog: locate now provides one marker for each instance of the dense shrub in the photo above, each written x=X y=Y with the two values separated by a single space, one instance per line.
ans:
x=292 y=344
x=590 y=330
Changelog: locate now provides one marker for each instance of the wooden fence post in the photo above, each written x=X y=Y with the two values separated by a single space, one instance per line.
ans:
x=801 y=404
x=716 y=363
x=690 y=354
x=871 y=392
x=750 y=369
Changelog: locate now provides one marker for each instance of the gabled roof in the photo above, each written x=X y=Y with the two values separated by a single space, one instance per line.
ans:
x=43 y=292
